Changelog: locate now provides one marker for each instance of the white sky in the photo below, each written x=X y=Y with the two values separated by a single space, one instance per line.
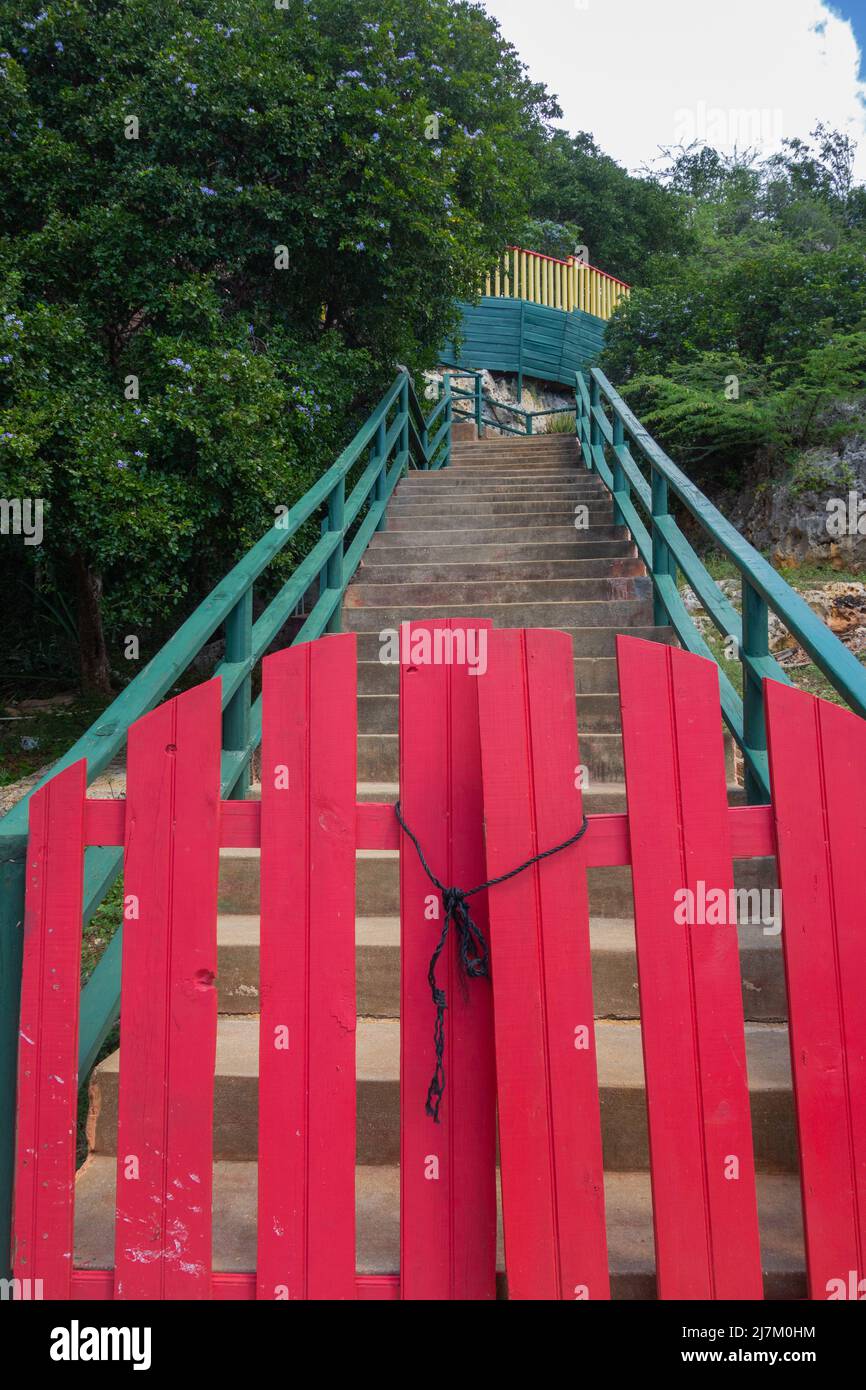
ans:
x=639 y=74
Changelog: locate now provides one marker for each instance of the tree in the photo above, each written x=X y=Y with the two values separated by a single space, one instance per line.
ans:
x=623 y=221
x=224 y=222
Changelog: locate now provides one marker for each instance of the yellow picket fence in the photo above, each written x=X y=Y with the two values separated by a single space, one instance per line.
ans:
x=570 y=284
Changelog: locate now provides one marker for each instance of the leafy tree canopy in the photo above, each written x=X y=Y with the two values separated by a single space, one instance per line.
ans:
x=582 y=196
x=224 y=222
x=773 y=300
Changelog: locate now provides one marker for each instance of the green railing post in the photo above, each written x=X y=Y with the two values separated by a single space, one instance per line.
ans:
x=449 y=420
x=528 y=419
x=404 y=433
x=379 y=485
x=619 y=478
x=756 y=643
x=236 y=715
x=662 y=558
x=479 y=405
x=230 y=605
x=578 y=416
x=334 y=576
x=11 y=940
x=594 y=427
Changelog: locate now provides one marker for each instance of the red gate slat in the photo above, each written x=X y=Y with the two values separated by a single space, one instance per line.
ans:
x=447 y=1170
x=306 y=1202
x=700 y=1135
x=169 y=1002
x=549 y=1119
x=817 y=760
x=48 y=1037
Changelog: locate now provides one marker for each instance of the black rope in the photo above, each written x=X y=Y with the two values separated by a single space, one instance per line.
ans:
x=472 y=949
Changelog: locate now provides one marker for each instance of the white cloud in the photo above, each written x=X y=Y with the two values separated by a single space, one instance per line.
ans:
x=640 y=74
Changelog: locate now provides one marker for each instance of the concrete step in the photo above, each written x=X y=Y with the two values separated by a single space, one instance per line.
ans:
x=484 y=499
x=383 y=553
x=506 y=591
x=614 y=968
x=610 y=614
x=534 y=536
x=504 y=479
x=378 y=714
x=592 y=676
x=502 y=443
x=378 y=882
x=628 y=1207
x=514 y=466
x=501 y=571
x=589 y=642
x=621 y=1086
x=469 y=492
x=497 y=517
x=601 y=755
x=529 y=456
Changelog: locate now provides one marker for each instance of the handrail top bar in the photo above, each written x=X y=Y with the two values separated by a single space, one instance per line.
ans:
x=848 y=674
x=107 y=734
x=570 y=260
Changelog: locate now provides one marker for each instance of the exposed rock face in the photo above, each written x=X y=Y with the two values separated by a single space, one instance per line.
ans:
x=817 y=515
x=503 y=387
x=842 y=606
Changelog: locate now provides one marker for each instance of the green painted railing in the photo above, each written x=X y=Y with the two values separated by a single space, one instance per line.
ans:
x=482 y=400
x=642 y=492
x=396 y=436
x=642 y=489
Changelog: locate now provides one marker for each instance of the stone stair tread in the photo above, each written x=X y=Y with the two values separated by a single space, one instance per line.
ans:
x=367 y=594
x=464 y=570
x=627 y=1204
x=556 y=614
x=613 y=958
x=618 y=1042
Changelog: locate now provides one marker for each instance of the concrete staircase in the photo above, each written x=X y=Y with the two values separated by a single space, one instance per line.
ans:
x=494 y=536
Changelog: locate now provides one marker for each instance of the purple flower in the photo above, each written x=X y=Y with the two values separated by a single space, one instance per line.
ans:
x=58 y=45
x=192 y=87
x=121 y=463
x=208 y=192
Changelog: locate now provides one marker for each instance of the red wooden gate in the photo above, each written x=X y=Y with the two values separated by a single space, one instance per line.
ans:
x=498 y=749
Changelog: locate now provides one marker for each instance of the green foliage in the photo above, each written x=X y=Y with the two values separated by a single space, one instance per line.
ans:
x=775 y=297
x=715 y=412
x=309 y=190
x=691 y=409
x=560 y=424
x=583 y=197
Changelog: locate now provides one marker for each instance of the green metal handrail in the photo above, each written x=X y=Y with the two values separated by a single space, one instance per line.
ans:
x=480 y=398
x=606 y=429
x=395 y=435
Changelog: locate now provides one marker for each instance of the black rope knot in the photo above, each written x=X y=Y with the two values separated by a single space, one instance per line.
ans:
x=472 y=949
x=474 y=959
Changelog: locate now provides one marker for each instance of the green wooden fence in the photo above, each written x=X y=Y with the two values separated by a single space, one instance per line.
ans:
x=483 y=409
x=396 y=436
x=512 y=335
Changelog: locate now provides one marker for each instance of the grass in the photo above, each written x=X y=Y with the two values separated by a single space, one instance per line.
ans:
x=560 y=424
x=32 y=739
x=802 y=577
